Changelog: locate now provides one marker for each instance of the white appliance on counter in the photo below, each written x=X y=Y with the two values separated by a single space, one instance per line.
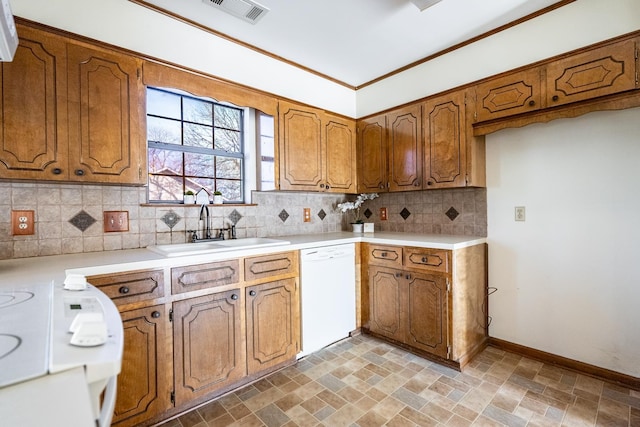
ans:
x=328 y=294
x=50 y=376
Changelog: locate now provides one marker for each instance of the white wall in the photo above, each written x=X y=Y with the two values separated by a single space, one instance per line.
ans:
x=568 y=277
x=570 y=27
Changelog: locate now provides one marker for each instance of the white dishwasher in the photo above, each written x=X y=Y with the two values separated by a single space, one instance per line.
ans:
x=328 y=293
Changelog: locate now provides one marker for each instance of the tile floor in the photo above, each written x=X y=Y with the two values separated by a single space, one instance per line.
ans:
x=363 y=382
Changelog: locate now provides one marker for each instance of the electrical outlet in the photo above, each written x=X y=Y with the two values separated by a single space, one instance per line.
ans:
x=383 y=214
x=116 y=221
x=520 y=213
x=22 y=223
x=306 y=214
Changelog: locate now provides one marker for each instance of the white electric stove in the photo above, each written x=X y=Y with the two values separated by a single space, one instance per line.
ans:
x=44 y=378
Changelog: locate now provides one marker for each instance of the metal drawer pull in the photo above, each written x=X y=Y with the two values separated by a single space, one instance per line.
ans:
x=124 y=290
x=383 y=254
x=234 y=297
x=155 y=314
x=252 y=293
x=424 y=259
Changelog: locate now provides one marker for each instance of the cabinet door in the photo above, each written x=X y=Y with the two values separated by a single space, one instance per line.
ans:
x=301 y=150
x=509 y=95
x=428 y=316
x=445 y=141
x=387 y=302
x=340 y=164
x=405 y=149
x=144 y=384
x=33 y=139
x=208 y=350
x=106 y=116
x=372 y=146
x=273 y=324
x=603 y=71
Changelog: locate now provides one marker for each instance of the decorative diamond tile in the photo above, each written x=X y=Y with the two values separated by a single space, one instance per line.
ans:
x=322 y=214
x=170 y=218
x=368 y=213
x=404 y=213
x=283 y=215
x=452 y=213
x=235 y=216
x=82 y=220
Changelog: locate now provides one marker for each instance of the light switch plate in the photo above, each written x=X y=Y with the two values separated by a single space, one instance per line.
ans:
x=383 y=214
x=306 y=214
x=116 y=221
x=520 y=213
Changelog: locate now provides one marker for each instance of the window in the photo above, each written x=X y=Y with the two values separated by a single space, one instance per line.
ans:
x=193 y=143
x=266 y=160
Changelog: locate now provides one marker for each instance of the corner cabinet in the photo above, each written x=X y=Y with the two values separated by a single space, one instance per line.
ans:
x=430 y=301
x=317 y=151
x=85 y=118
x=372 y=147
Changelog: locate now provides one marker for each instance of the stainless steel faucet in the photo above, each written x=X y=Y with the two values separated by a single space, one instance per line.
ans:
x=204 y=216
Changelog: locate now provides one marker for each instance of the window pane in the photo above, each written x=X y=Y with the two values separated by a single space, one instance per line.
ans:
x=198 y=136
x=228 y=140
x=165 y=187
x=163 y=130
x=163 y=104
x=227 y=117
x=228 y=167
x=266 y=147
x=166 y=162
x=267 y=176
x=266 y=125
x=196 y=164
x=205 y=183
x=231 y=190
x=197 y=111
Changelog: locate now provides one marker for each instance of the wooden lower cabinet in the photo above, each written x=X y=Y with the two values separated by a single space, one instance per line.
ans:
x=143 y=387
x=273 y=324
x=387 y=301
x=208 y=344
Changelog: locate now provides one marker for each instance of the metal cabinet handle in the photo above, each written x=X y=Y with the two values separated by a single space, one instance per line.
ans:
x=429 y=182
x=124 y=290
x=327 y=186
x=234 y=297
x=321 y=185
x=57 y=171
x=424 y=259
x=155 y=314
x=383 y=254
x=555 y=98
x=398 y=274
x=532 y=103
x=252 y=293
x=79 y=172
x=408 y=276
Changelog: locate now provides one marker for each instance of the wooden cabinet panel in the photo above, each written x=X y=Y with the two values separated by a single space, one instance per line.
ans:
x=598 y=72
x=105 y=116
x=445 y=141
x=208 y=344
x=387 y=300
x=437 y=260
x=269 y=266
x=300 y=148
x=33 y=144
x=428 y=315
x=340 y=165
x=389 y=256
x=405 y=149
x=143 y=387
x=203 y=276
x=273 y=324
x=372 y=147
x=124 y=288
x=509 y=95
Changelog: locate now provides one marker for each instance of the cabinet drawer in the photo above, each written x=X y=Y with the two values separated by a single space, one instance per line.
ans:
x=203 y=276
x=427 y=259
x=264 y=266
x=390 y=256
x=124 y=288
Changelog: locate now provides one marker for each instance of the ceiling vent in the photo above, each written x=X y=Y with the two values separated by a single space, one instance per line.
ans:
x=424 y=4
x=246 y=10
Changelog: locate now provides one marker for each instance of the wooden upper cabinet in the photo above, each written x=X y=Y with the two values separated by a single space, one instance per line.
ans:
x=598 y=72
x=317 y=150
x=33 y=109
x=405 y=149
x=372 y=148
x=509 y=95
x=445 y=134
x=340 y=164
x=106 y=116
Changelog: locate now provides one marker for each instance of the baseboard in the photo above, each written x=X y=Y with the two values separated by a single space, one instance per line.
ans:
x=564 y=362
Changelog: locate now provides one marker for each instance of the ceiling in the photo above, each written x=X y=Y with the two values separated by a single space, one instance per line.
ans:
x=356 y=41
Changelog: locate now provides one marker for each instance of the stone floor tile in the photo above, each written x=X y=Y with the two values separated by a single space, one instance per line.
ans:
x=458 y=421
x=503 y=417
x=288 y=401
x=211 y=411
x=313 y=404
x=437 y=412
x=465 y=412
x=250 y=420
x=239 y=411
x=332 y=399
x=223 y=421
x=505 y=402
x=409 y=398
x=389 y=407
x=371 y=419
x=190 y=419
x=350 y=394
x=417 y=417
x=344 y=416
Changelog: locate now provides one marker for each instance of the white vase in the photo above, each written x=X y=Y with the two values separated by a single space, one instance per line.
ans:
x=217 y=200
x=357 y=227
x=189 y=199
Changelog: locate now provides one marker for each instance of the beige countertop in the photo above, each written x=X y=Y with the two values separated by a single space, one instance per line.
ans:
x=15 y=272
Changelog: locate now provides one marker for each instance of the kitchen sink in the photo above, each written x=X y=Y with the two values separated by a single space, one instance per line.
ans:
x=182 y=249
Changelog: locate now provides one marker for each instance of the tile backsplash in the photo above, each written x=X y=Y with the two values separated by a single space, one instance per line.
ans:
x=69 y=217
